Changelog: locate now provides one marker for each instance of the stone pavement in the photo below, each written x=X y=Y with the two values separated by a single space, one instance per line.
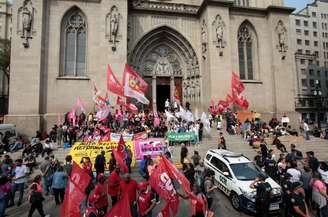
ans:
x=223 y=208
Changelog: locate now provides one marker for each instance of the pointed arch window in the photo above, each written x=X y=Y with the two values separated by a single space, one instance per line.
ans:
x=73 y=50
x=246 y=45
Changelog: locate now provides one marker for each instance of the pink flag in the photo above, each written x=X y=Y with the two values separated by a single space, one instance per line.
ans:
x=80 y=104
x=132 y=107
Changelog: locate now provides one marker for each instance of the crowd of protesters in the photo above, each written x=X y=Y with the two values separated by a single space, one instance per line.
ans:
x=303 y=178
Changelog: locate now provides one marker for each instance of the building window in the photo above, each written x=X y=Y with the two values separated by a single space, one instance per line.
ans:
x=306 y=23
x=311 y=83
x=308 y=52
x=302 y=61
x=299 y=41
x=314 y=24
x=244 y=3
x=314 y=14
x=311 y=72
x=298 y=22
x=315 y=43
x=299 y=51
x=316 y=53
x=307 y=42
x=310 y=62
x=315 y=34
x=306 y=32
x=304 y=83
x=318 y=63
x=247 y=51
x=298 y=31
x=74 y=43
x=303 y=71
x=318 y=73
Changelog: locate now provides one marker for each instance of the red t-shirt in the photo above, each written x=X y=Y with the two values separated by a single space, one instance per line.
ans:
x=113 y=179
x=100 y=195
x=130 y=188
x=144 y=201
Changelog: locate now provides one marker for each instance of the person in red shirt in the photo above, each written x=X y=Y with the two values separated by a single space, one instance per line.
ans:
x=114 y=180
x=99 y=196
x=146 y=201
x=130 y=186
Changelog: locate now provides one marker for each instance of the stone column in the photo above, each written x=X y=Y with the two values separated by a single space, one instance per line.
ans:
x=154 y=95
x=172 y=89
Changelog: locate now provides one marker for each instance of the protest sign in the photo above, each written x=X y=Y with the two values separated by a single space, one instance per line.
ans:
x=153 y=147
x=181 y=137
x=116 y=137
x=92 y=149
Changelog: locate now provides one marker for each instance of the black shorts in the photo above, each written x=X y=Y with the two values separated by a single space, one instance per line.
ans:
x=210 y=204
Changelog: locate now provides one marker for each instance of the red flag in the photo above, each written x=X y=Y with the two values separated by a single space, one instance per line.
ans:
x=175 y=174
x=134 y=86
x=79 y=177
x=229 y=99
x=105 y=138
x=72 y=200
x=121 y=148
x=113 y=85
x=132 y=107
x=161 y=182
x=224 y=104
x=237 y=86
x=120 y=161
x=242 y=102
x=119 y=101
x=177 y=95
x=120 y=209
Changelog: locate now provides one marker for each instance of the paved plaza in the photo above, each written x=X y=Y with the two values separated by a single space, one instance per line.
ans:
x=224 y=208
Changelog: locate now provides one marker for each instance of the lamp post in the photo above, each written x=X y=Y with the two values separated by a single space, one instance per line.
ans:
x=317 y=94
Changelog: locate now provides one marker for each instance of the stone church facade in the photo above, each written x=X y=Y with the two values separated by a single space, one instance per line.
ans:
x=61 y=47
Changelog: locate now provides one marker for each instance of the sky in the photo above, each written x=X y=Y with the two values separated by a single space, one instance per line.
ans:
x=298 y=4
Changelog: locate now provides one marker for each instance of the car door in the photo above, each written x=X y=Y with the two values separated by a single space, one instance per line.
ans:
x=222 y=181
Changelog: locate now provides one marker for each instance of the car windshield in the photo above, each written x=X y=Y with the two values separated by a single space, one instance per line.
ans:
x=245 y=171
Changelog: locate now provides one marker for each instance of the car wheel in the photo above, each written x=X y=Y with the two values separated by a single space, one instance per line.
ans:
x=235 y=201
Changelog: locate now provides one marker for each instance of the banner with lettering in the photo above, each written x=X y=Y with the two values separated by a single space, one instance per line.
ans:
x=181 y=137
x=92 y=149
x=153 y=147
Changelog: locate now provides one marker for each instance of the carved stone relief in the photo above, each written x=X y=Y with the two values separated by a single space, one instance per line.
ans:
x=218 y=26
x=281 y=31
x=25 y=22
x=113 y=26
x=204 y=39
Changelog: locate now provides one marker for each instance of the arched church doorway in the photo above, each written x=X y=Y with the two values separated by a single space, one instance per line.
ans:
x=170 y=66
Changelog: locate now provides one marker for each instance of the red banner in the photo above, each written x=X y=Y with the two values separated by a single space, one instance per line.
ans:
x=120 y=209
x=161 y=182
x=113 y=85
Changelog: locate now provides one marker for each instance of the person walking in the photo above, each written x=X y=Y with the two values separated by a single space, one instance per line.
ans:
x=36 y=198
x=60 y=133
x=45 y=168
x=183 y=153
x=59 y=181
x=319 y=195
x=20 y=177
x=129 y=186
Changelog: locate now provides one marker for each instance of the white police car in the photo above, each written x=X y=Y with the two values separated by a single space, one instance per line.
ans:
x=234 y=173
